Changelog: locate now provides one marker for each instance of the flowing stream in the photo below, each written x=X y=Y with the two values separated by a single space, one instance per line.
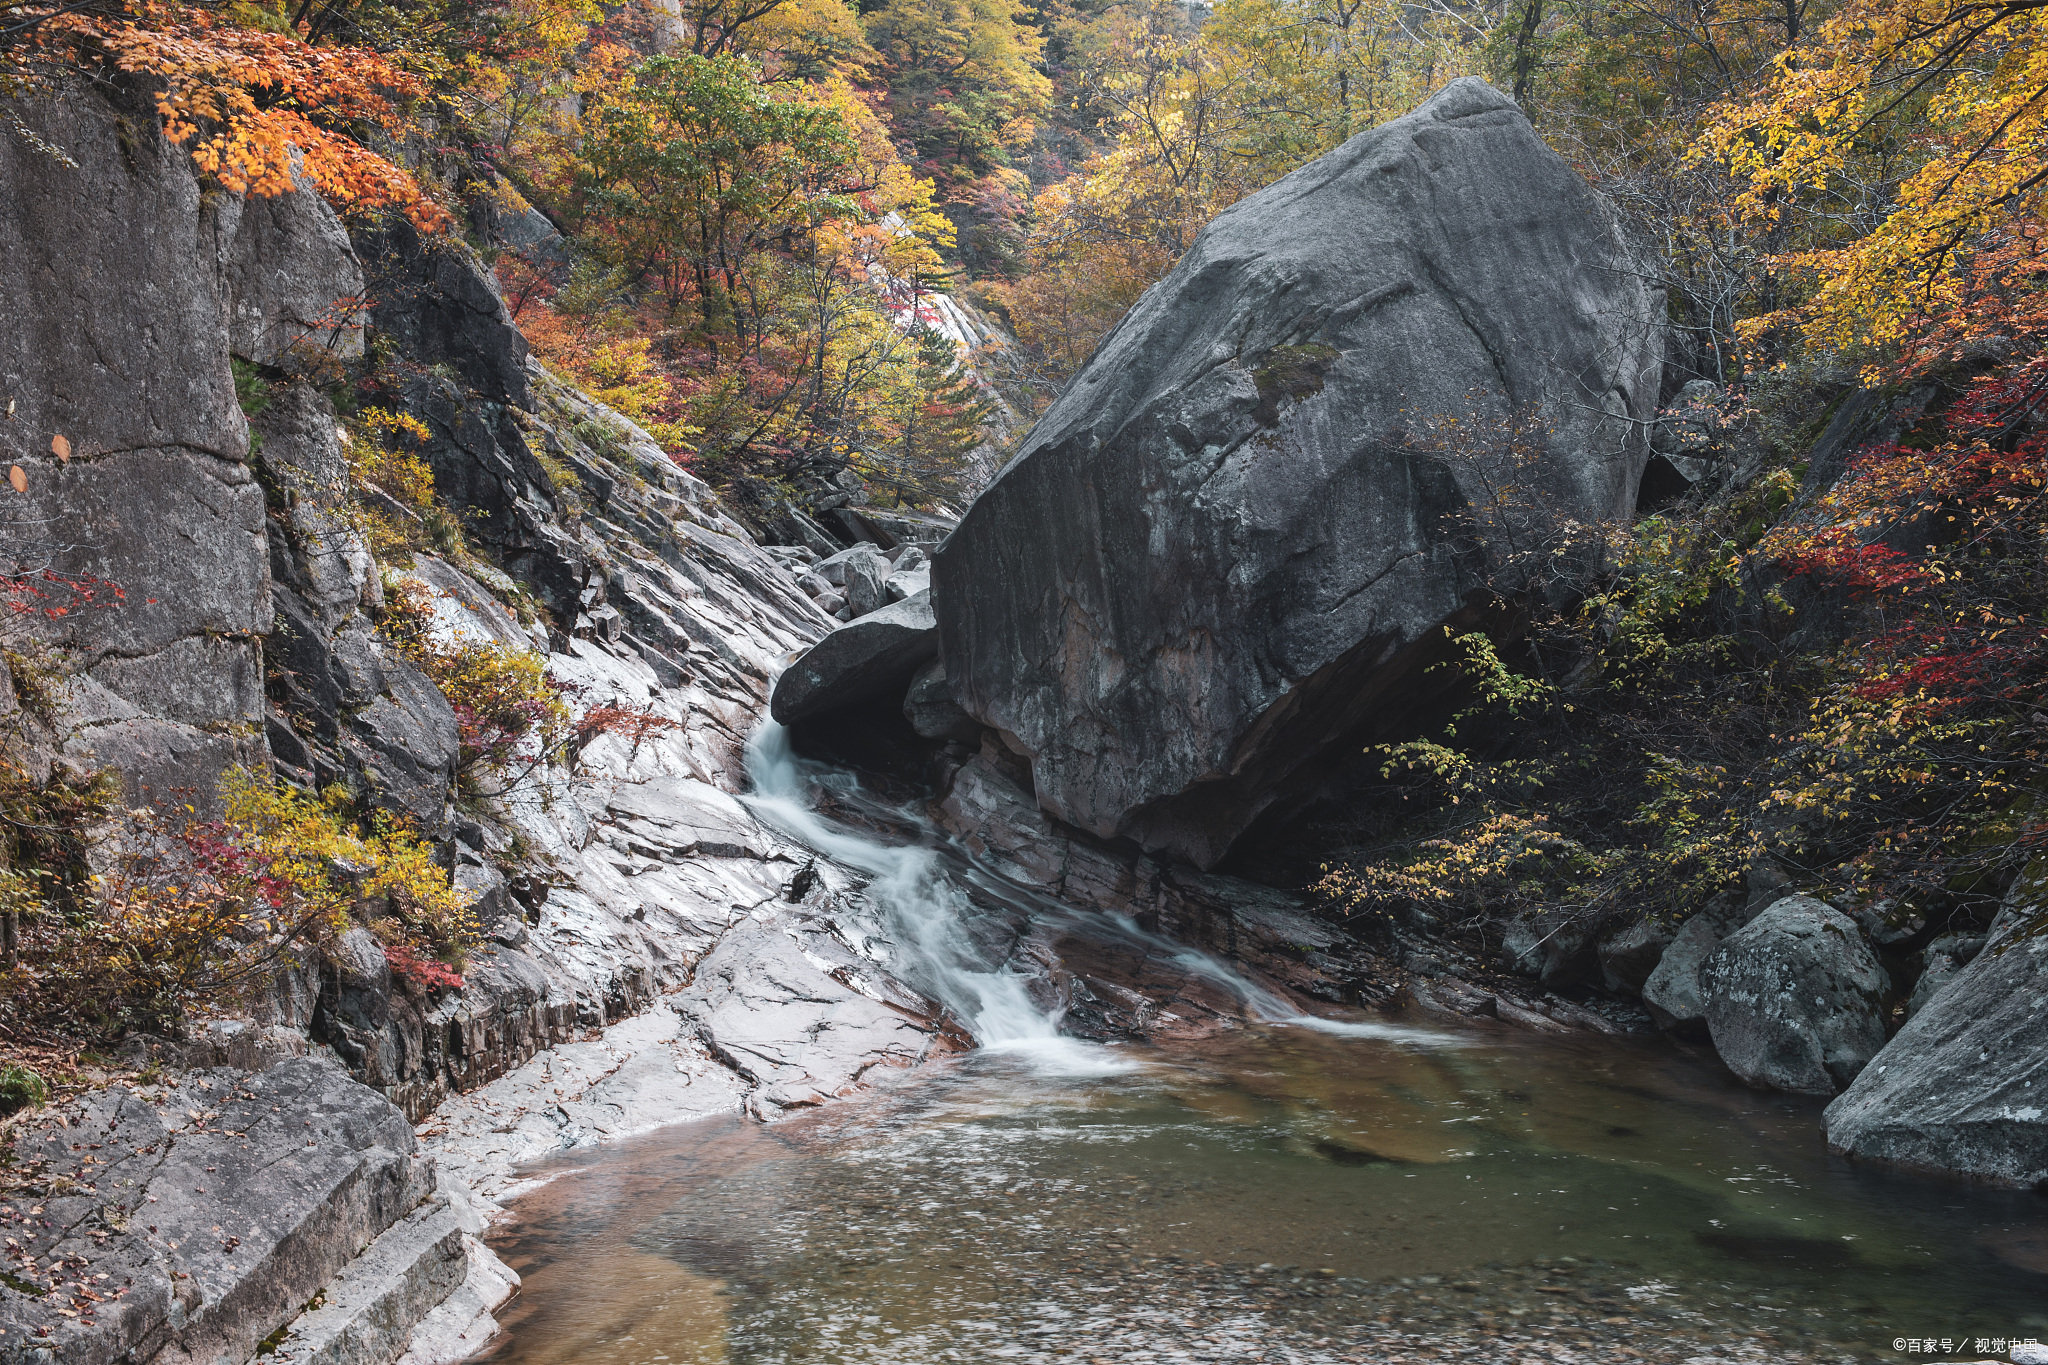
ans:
x=1361 y=1189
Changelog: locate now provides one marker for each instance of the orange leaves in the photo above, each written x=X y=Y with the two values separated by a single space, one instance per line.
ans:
x=246 y=100
x=352 y=177
x=1920 y=125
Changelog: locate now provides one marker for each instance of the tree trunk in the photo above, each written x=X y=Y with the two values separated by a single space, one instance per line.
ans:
x=1525 y=49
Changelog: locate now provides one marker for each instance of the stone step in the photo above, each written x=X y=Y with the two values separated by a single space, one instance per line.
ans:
x=464 y=1324
x=367 y=1313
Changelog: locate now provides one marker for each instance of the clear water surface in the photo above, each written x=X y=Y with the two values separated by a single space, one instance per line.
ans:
x=1361 y=1189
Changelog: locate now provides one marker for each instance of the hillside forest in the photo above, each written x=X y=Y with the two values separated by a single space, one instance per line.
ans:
x=1819 y=651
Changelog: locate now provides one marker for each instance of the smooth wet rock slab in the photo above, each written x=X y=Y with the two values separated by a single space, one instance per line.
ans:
x=795 y=1033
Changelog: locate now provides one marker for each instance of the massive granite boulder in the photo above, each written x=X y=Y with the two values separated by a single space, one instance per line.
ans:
x=874 y=657
x=1235 y=536
x=1964 y=1085
x=1795 y=999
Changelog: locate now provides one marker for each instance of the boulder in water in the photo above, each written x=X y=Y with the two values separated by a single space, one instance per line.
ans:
x=1795 y=998
x=1238 y=534
x=870 y=659
x=1962 y=1087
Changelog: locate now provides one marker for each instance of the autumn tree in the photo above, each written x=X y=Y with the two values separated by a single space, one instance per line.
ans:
x=697 y=169
x=1913 y=132
x=936 y=415
x=248 y=103
x=962 y=77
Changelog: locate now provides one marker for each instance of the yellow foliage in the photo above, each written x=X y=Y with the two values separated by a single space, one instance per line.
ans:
x=376 y=457
x=622 y=375
x=510 y=716
x=307 y=840
x=1939 y=98
x=807 y=35
x=194 y=914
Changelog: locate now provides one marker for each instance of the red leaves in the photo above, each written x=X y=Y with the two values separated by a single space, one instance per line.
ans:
x=427 y=972
x=225 y=857
x=1967 y=485
x=635 y=724
x=54 y=595
x=245 y=99
x=1833 y=557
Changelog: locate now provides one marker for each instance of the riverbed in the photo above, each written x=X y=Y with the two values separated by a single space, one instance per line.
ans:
x=1401 y=1190
x=1277 y=1185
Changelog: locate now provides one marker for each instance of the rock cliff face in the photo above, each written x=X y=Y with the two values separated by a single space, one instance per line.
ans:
x=248 y=634
x=120 y=410
x=1227 y=542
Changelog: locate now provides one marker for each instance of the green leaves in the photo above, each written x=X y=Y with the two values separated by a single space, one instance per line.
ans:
x=701 y=168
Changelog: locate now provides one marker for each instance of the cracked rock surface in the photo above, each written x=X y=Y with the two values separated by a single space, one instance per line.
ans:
x=188 y=1220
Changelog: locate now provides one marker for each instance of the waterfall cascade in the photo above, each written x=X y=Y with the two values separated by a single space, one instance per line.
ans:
x=920 y=893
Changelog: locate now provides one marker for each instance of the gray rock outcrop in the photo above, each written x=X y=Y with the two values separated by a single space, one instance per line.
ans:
x=1964 y=1085
x=867 y=577
x=1672 y=992
x=871 y=658
x=1629 y=955
x=294 y=286
x=1941 y=963
x=1557 y=950
x=1795 y=998
x=929 y=706
x=350 y=708
x=1236 y=534
x=123 y=420
x=221 y=1204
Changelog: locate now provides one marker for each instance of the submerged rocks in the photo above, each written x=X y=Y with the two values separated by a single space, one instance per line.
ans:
x=868 y=659
x=1236 y=534
x=1964 y=1085
x=1795 y=998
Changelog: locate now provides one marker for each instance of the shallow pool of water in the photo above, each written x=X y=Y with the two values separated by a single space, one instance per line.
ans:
x=1403 y=1191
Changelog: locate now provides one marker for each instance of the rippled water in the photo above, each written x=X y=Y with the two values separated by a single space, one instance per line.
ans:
x=1462 y=1192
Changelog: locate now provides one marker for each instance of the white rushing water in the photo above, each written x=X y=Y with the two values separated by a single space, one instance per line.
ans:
x=925 y=913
